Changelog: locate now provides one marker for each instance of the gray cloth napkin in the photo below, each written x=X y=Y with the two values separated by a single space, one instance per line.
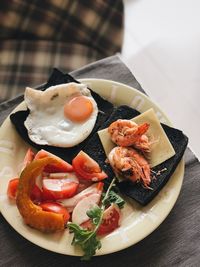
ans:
x=176 y=242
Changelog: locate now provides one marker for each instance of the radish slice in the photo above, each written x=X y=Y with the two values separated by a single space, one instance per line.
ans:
x=38 y=181
x=54 y=189
x=70 y=203
x=63 y=175
x=79 y=215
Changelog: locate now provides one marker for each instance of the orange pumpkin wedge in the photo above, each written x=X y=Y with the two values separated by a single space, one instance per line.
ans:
x=32 y=214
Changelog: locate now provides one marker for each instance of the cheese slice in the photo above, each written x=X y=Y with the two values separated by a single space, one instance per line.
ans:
x=161 y=150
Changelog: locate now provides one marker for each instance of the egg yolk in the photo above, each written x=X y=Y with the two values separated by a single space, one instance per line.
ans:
x=78 y=109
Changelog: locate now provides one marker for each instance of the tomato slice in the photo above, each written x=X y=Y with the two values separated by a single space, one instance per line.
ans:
x=36 y=194
x=12 y=188
x=88 y=225
x=83 y=184
x=110 y=221
x=60 y=166
x=56 y=208
x=28 y=157
x=88 y=168
x=54 y=189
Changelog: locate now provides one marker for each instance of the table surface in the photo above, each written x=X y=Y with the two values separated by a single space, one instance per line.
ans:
x=161 y=47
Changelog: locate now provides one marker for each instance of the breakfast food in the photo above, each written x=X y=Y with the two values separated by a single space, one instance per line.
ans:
x=154 y=144
x=33 y=214
x=105 y=108
x=162 y=168
x=93 y=189
x=58 y=185
x=62 y=116
x=129 y=163
x=52 y=209
x=82 y=189
x=159 y=159
x=128 y=133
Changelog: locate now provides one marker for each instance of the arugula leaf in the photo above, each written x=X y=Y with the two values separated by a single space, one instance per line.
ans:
x=87 y=240
x=113 y=197
x=90 y=247
x=95 y=214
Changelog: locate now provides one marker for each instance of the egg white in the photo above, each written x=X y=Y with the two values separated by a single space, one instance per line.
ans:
x=46 y=123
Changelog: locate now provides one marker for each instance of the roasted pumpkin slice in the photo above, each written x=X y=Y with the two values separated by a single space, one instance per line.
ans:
x=32 y=214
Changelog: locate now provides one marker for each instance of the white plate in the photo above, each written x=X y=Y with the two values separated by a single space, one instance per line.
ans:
x=137 y=221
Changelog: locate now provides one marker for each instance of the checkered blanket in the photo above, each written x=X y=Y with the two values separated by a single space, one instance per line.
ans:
x=36 y=36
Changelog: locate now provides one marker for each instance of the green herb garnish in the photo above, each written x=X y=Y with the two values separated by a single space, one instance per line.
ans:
x=87 y=239
x=95 y=214
x=113 y=197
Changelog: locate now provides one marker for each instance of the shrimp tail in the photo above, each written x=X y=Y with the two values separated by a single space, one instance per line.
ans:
x=143 y=128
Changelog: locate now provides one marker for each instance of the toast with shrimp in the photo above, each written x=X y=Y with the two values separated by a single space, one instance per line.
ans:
x=161 y=172
x=104 y=110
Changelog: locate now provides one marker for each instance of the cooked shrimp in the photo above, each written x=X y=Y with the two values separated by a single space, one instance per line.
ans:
x=128 y=133
x=129 y=163
x=32 y=214
x=143 y=144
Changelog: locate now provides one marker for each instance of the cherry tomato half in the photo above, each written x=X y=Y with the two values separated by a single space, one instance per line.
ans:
x=56 y=208
x=88 y=168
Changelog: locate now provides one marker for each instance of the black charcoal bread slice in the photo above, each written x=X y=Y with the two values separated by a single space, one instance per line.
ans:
x=105 y=109
x=136 y=191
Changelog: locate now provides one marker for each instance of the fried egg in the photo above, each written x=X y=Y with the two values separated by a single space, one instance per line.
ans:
x=62 y=115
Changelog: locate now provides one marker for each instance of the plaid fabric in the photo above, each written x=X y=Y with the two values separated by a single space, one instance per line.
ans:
x=29 y=63
x=36 y=36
